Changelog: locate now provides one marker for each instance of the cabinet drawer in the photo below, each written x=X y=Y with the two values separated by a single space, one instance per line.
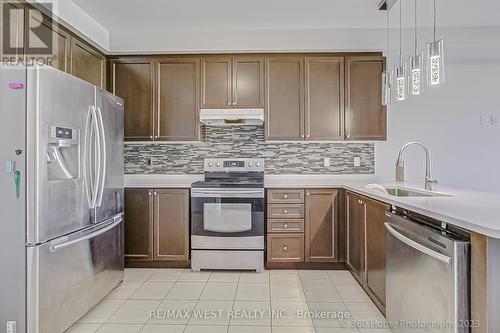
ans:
x=285 y=248
x=284 y=225
x=285 y=211
x=285 y=196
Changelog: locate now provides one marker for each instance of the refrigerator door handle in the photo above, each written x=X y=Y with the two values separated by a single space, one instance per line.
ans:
x=102 y=166
x=97 y=162
x=57 y=245
x=86 y=157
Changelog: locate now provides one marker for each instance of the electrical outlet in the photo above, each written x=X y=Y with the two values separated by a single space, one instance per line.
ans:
x=492 y=120
x=326 y=161
x=11 y=327
x=357 y=161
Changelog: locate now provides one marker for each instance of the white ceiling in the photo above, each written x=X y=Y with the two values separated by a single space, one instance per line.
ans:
x=276 y=14
x=217 y=25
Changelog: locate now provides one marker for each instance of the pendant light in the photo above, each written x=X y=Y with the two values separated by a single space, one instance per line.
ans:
x=400 y=69
x=386 y=74
x=415 y=83
x=435 y=58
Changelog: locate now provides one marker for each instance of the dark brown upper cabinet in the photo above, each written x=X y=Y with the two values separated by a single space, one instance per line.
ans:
x=133 y=79
x=49 y=29
x=321 y=225
x=87 y=64
x=248 y=82
x=284 y=98
x=232 y=82
x=178 y=99
x=216 y=83
x=324 y=98
x=365 y=114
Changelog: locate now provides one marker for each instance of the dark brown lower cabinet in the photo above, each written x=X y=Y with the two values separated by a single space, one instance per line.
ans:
x=156 y=226
x=171 y=224
x=366 y=244
x=138 y=224
x=321 y=225
x=302 y=229
x=355 y=224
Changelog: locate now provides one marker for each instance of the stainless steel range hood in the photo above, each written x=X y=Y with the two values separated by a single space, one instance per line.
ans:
x=232 y=117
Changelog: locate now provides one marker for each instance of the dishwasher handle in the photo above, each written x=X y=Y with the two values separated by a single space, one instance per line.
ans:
x=417 y=246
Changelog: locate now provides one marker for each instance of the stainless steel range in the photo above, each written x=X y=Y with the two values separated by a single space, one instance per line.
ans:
x=227 y=215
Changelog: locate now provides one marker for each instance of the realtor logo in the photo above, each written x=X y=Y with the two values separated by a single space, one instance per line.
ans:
x=26 y=33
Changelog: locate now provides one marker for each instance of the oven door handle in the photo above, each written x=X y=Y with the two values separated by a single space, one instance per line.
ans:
x=227 y=193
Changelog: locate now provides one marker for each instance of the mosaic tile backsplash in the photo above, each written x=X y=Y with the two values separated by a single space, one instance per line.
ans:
x=245 y=142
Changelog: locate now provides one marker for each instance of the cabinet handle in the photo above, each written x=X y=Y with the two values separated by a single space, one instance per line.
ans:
x=234 y=103
x=150 y=193
x=285 y=196
x=285 y=248
x=155 y=193
x=285 y=211
x=156 y=136
x=348 y=124
x=285 y=225
x=308 y=193
x=150 y=136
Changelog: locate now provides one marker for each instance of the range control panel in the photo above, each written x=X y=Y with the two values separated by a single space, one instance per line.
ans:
x=234 y=164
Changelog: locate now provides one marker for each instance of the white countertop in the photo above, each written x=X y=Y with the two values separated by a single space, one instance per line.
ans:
x=472 y=210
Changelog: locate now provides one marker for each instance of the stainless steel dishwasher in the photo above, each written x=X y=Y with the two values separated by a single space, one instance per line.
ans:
x=428 y=276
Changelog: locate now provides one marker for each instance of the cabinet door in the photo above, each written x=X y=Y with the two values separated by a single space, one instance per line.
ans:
x=355 y=235
x=321 y=225
x=48 y=29
x=138 y=224
x=87 y=64
x=133 y=80
x=284 y=100
x=13 y=48
x=324 y=98
x=178 y=86
x=285 y=248
x=171 y=224
x=216 y=83
x=375 y=248
x=365 y=114
x=248 y=82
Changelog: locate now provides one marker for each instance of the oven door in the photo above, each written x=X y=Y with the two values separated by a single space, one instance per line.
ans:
x=227 y=218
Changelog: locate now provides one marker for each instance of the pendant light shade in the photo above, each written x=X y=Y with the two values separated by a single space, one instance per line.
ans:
x=416 y=71
x=435 y=58
x=386 y=87
x=435 y=62
x=400 y=80
x=400 y=73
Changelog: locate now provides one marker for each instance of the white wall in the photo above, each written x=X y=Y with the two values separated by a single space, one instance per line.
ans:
x=447 y=118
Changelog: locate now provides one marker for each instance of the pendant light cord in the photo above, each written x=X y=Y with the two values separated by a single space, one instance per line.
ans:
x=400 y=32
x=434 y=20
x=416 y=32
x=387 y=32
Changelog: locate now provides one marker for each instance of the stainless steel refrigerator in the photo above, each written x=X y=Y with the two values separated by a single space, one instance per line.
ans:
x=61 y=198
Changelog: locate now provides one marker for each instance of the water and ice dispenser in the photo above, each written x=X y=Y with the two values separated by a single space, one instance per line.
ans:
x=63 y=153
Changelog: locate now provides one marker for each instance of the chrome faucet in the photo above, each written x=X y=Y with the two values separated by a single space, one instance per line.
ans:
x=401 y=166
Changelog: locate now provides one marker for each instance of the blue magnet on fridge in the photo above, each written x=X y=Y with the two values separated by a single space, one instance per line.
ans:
x=9 y=166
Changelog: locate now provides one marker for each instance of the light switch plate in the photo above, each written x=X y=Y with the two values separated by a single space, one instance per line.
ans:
x=357 y=161
x=326 y=161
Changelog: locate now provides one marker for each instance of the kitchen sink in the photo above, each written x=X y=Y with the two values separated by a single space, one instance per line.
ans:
x=403 y=192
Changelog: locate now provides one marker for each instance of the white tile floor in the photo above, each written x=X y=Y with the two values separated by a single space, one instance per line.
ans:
x=233 y=302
